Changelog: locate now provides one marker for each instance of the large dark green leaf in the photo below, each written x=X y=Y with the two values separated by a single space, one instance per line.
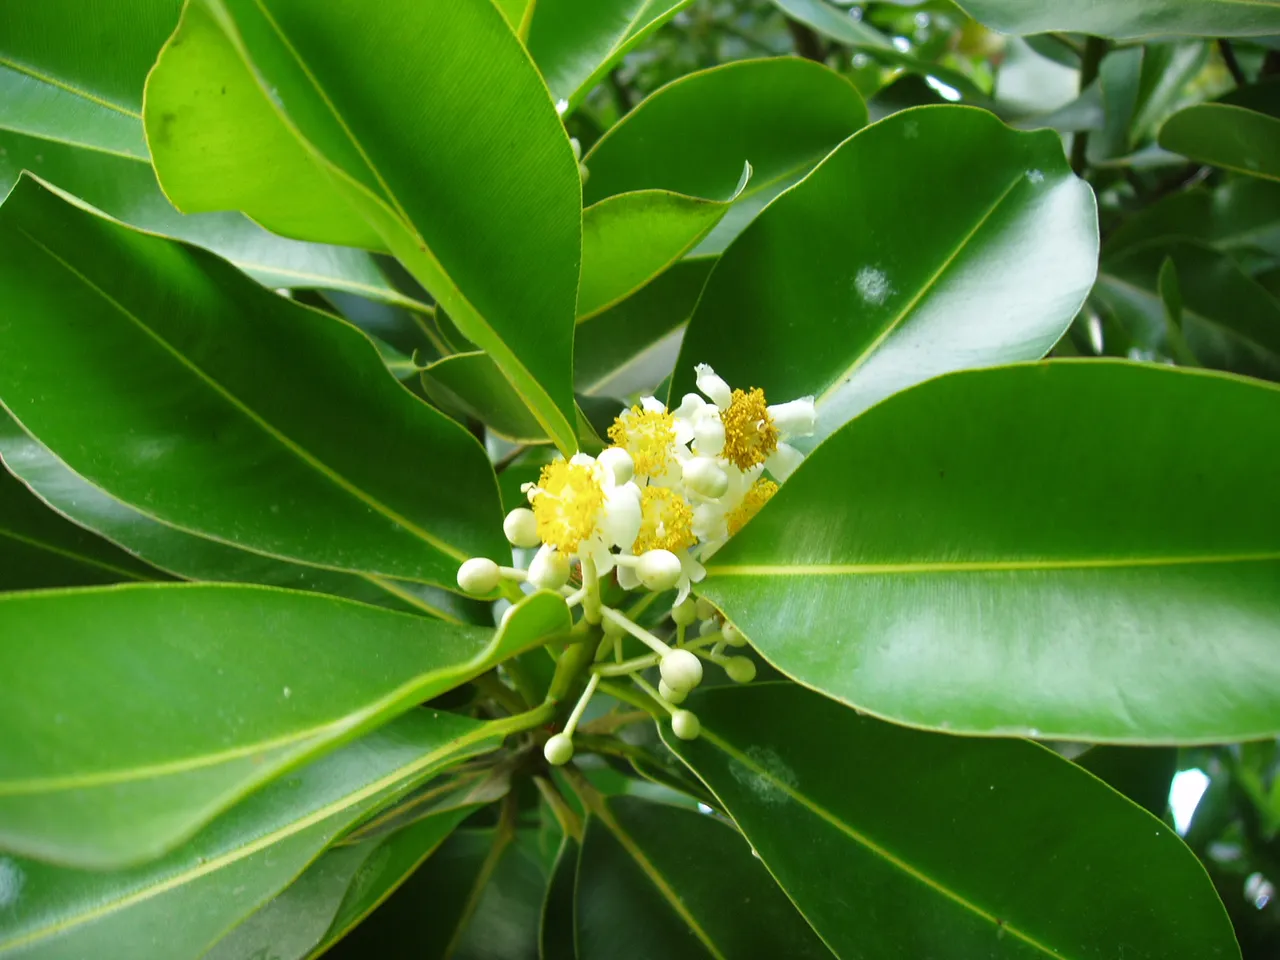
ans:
x=71 y=112
x=934 y=240
x=38 y=548
x=780 y=115
x=327 y=122
x=556 y=939
x=471 y=384
x=177 y=907
x=914 y=845
x=198 y=558
x=576 y=42
x=661 y=881
x=1130 y=19
x=1240 y=133
x=1143 y=774
x=145 y=710
x=255 y=415
x=1039 y=549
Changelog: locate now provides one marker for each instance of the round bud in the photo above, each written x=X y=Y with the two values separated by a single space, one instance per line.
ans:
x=671 y=696
x=705 y=610
x=549 y=569
x=479 y=575
x=733 y=636
x=659 y=570
x=685 y=725
x=521 y=528
x=618 y=462
x=558 y=750
x=740 y=669
x=684 y=613
x=681 y=670
x=703 y=475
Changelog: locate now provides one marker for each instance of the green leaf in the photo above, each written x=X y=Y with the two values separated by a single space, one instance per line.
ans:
x=481 y=891
x=1143 y=774
x=661 y=881
x=876 y=272
x=1129 y=19
x=575 y=43
x=38 y=548
x=632 y=346
x=336 y=892
x=472 y=384
x=177 y=907
x=334 y=126
x=1240 y=132
x=920 y=845
x=692 y=136
x=556 y=940
x=71 y=112
x=1039 y=549
x=240 y=384
x=127 y=733
x=197 y=558
x=630 y=238
x=1230 y=322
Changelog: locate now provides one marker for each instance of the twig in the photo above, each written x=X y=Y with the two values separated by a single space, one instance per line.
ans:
x=1229 y=58
x=1095 y=48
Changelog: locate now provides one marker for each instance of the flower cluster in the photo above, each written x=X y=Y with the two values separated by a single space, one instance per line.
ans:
x=673 y=488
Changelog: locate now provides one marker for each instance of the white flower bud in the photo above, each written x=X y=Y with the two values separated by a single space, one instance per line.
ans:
x=622 y=515
x=713 y=385
x=617 y=462
x=681 y=670
x=671 y=696
x=561 y=106
x=704 y=476
x=685 y=725
x=521 y=528
x=576 y=145
x=705 y=609
x=684 y=613
x=733 y=636
x=740 y=669
x=549 y=569
x=794 y=419
x=479 y=575
x=659 y=570
x=558 y=750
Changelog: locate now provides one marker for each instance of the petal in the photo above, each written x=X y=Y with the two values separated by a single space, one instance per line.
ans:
x=652 y=405
x=794 y=419
x=710 y=383
x=620 y=518
x=783 y=461
x=708 y=436
x=627 y=578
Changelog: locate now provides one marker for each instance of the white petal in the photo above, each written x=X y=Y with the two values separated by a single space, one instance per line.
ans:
x=705 y=476
x=708 y=521
x=690 y=406
x=627 y=578
x=621 y=516
x=618 y=464
x=710 y=383
x=794 y=419
x=693 y=569
x=652 y=405
x=783 y=461
x=582 y=459
x=708 y=436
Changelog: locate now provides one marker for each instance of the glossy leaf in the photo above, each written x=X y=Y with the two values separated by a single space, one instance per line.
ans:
x=472 y=384
x=934 y=846
x=880 y=270
x=661 y=881
x=197 y=558
x=241 y=385
x=1239 y=133
x=1129 y=19
x=1229 y=320
x=175 y=908
x=576 y=42
x=693 y=135
x=632 y=346
x=71 y=112
x=1143 y=774
x=328 y=123
x=38 y=548
x=156 y=729
x=992 y=553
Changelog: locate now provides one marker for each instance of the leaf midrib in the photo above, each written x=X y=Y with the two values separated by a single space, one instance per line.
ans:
x=67 y=87
x=297 y=450
x=983 y=566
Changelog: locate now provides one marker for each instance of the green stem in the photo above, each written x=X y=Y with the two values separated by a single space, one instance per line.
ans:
x=1095 y=48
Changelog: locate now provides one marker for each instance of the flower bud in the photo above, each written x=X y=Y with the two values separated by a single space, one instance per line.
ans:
x=479 y=575
x=671 y=696
x=740 y=669
x=705 y=609
x=681 y=670
x=549 y=569
x=704 y=476
x=558 y=750
x=577 y=155
x=733 y=636
x=685 y=612
x=617 y=462
x=659 y=570
x=521 y=528
x=713 y=385
x=685 y=725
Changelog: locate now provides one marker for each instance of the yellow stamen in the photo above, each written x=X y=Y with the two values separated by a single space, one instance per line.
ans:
x=749 y=433
x=566 y=503
x=760 y=493
x=648 y=436
x=666 y=521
